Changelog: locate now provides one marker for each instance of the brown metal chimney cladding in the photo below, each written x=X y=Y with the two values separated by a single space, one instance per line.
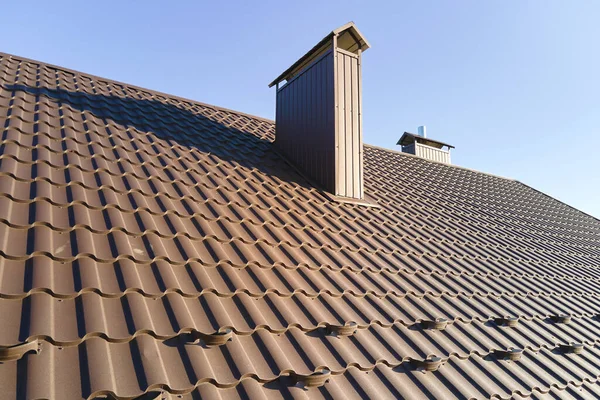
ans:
x=318 y=117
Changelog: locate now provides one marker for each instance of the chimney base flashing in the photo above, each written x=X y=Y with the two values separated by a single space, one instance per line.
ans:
x=366 y=202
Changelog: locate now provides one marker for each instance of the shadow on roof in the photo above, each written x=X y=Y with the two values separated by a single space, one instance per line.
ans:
x=209 y=130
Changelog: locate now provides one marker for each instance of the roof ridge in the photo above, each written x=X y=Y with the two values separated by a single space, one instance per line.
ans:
x=560 y=201
x=438 y=162
x=151 y=91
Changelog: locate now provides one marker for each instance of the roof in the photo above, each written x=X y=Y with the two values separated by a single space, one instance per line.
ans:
x=348 y=38
x=152 y=244
x=409 y=138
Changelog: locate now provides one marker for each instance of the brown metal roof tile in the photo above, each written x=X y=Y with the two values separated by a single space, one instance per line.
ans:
x=153 y=244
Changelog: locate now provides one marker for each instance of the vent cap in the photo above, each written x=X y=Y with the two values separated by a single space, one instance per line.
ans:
x=422 y=146
x=348 y=38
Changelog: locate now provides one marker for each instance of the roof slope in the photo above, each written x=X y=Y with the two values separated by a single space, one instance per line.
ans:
x=135 y=225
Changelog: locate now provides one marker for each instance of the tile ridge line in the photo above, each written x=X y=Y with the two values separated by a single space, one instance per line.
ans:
x=392 y=151
x=596 y=219
x=151 y=91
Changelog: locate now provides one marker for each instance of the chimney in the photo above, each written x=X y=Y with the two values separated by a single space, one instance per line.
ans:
x=318 y=123
x=422 y=146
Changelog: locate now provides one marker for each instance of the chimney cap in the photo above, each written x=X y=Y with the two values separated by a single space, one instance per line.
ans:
x=349 y=39
x=409 y=138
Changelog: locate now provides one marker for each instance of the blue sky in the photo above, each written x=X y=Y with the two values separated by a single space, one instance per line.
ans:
x=514 y=85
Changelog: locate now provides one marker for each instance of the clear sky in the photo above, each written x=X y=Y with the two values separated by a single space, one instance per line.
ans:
x=514 y=85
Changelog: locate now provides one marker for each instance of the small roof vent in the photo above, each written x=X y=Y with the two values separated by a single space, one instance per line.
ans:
x=422 y=146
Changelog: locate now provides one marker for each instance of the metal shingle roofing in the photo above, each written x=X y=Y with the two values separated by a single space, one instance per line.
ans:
x=151 y=244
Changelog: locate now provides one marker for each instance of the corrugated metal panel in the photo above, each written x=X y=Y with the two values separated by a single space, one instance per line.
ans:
x=306 y=121
x=432 y=153
x=319 y=125
x=328 y=148
x=349 y=182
